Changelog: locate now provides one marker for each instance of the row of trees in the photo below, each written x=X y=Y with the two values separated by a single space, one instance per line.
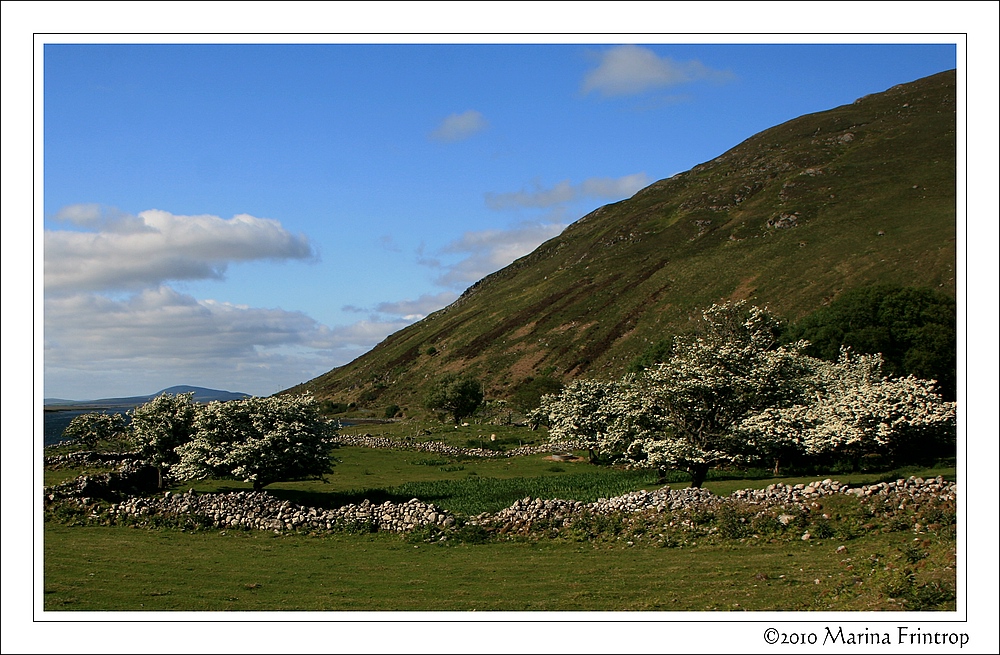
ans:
x=256 y=440
x=733 y=394
x=914 y=330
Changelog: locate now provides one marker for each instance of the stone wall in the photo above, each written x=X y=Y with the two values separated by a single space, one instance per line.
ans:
x=261 y=511
x=258 y=510
x=440 y=448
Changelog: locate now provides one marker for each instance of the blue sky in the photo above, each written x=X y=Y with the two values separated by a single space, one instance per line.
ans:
x=247 y=217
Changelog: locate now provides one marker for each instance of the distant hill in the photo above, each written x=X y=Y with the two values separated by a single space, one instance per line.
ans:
x=791 y=218
x=59 y=412
x=201 y=395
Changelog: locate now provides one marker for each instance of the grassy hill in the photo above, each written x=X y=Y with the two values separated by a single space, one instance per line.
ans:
x=790 y=218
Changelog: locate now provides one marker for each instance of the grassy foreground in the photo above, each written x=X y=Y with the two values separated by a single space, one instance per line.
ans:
x=125 y=569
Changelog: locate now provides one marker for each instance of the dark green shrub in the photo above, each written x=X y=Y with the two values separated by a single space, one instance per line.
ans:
x=822 y=529
x=455 y=395
x=734 y=522
x=914 y=329
x=470 y=534
x=430 y=462
x=329 y=407
x=528 y=394
x=765 y=524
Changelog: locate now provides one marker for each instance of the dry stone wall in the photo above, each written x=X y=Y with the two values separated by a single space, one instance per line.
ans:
x=441 y=448
x=258 y=510
x=261 y=511
x=525 y=513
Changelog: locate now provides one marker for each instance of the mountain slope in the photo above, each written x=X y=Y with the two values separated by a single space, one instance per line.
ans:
x=790 y=218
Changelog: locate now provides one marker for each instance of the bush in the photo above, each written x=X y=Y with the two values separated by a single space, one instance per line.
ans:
x=528 y=394
x=258 y=440
x=914 y=330
x=734 y=521
x=89 y=429
x=161 y=426
x=455 y=395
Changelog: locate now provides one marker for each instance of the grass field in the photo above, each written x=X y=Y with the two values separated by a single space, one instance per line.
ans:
x=597 y=568
x=124 y=569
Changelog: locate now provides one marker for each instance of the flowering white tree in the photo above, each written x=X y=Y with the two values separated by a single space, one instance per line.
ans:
x=582 y=412
x=855 y=410
x=731 y=394
x=90 y=428
x=258 y=440
x=686 y=412
x=160 y=426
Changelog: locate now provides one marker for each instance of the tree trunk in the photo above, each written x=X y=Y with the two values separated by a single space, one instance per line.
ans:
x=776 y=462
x=698 y=473
x=159 y=477
x=661 y=475
x=257 y=485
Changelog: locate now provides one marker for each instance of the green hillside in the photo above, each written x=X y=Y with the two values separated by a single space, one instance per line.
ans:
x=790 y=218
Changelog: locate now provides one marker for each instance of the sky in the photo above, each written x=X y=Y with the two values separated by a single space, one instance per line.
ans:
x=248 y=216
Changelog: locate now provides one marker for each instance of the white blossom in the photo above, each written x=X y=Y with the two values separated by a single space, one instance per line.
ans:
x=731 y=394
x=257 y=440
x=854 y=409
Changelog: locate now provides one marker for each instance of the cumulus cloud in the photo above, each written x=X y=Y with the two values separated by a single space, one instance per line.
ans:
x=564 y=191
x=161 y=322
x=408 y=310
x=630 y=69
x=112 y=322
x=117 y=251
x=105 y=219
x=193 y=341
x=414 y=310
x=487 y=251
x=457 y=127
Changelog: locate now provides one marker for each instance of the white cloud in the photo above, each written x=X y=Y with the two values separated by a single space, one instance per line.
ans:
x=163 y=323
x=630 y=69
x=124 y=252
x=488 y=251
x=563 y=192
x=173 y=338
x=414 y=310
x=408 y=310
x=107 y=219
x=100 y=342
x=457 y=127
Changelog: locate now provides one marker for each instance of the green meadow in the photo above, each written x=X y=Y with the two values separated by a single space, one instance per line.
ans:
x=614 y=565
x=125 y=569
